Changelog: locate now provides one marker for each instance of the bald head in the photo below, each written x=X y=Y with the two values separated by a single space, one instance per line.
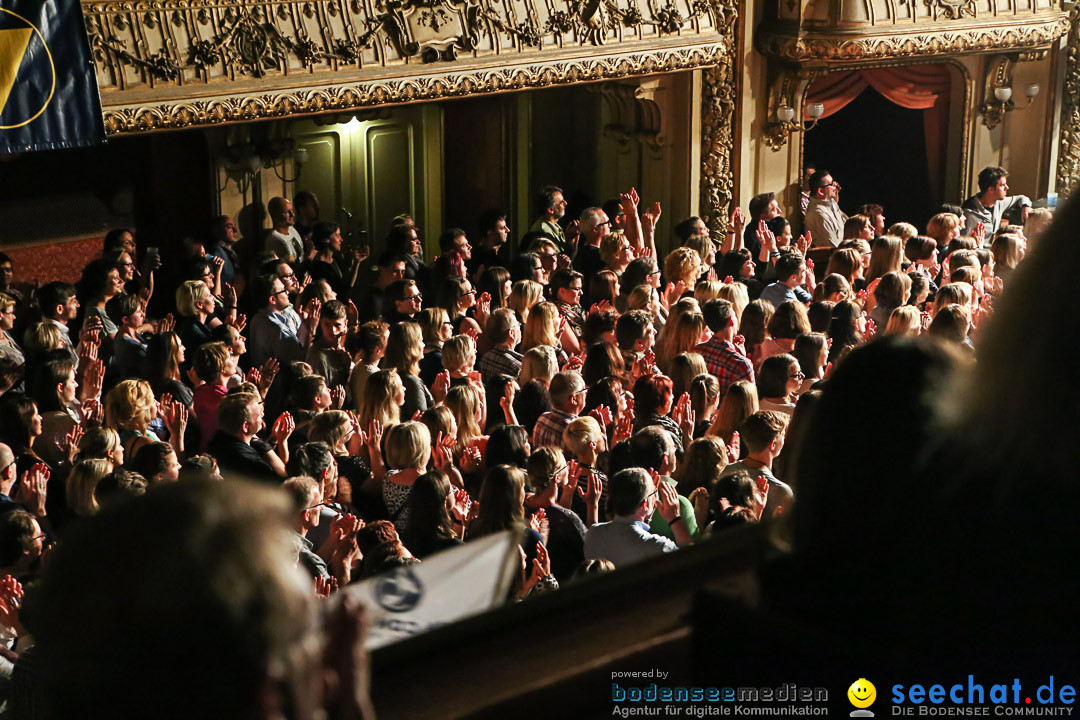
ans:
x=8 y=473
x=281 y=212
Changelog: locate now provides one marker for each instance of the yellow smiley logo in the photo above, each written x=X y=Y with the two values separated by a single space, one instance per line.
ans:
x=862 y=693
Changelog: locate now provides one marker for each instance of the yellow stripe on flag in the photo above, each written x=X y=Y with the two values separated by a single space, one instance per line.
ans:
x=13 y=45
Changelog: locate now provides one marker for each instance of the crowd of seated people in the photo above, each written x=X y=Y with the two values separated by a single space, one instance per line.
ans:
x=608 y=403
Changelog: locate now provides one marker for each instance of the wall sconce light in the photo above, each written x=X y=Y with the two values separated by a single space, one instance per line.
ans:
x=998 y=96
x=776 y=132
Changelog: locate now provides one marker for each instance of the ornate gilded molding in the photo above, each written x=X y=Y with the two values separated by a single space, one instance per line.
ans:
x=717 y=129
x=242 y=108
x=939 y=41
x=1068 y=166
x=176 y=63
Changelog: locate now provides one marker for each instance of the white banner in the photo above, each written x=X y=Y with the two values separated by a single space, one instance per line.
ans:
x=446 y=587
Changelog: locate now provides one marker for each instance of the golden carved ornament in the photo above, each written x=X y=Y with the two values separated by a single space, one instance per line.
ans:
x=1068 y=166
x=718 y=129
x=846 y=49
x=341 y=98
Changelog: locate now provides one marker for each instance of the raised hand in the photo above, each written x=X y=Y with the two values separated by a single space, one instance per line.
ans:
x=600 y=307
x=594 y=488
x=441 y=386
x=69 y=446
x=739 y=341
x=239 y=322
x=283 y=428
x=344 y=527
x=92 y=412
x=175 y=416
x=228 y=294
x=734 y=448
x=470 y=459
x=624 y=428
x=374 y=436
x=538 y=521
x=871 y=330
x=93 y=378
x=668 y=498
x=33 y=489
x=473 y=333
x=602 y=414
x=573 y=362
x=737 y=222
x=803 y=243
x=337 y=396
x=483 y=310
x=461 y=504
x=11 y=593
x=323 y=587
x=166 y=324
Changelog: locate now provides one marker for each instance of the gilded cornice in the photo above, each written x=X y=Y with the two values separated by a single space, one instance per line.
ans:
x=894 y=42
x=183 y=63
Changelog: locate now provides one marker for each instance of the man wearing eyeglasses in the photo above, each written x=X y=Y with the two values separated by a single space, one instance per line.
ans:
x=275 y=332
x=594 y=226
x=824 y=220
x=567 y=287
x=554 y=204
x=633 y=497
x=403 y=302
x=370 y=299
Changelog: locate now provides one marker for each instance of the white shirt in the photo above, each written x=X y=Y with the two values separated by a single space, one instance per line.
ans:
x=289 y=248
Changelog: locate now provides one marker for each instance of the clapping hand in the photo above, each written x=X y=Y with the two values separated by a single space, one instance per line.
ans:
x=33 y=489
x=283 y=428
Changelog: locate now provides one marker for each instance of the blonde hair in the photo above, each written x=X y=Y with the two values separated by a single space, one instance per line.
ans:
x=904 y=320
x=542 y=327
x=941 y=227
x=380 y=399
x=523 y=295
x=886 y=256
x=404 y=348
x=187 y=296
x=684 y=337
x=957 y=293
x=431 y=322
x=330 y=427
x=408 y=445
x=682 y=264
x=610 y=245
x=736 y=294
x=459 y=353
x=580 y=432
x=81 y=483
x=640 y=298
x=439 y=419
x=543 y=465
x=707 y=290
x=464 y=402
x=684 y=306
x=740 y=402
x=6 y=302
x=702 y=245
x=1008 y=250
x=1038 y=220
x=130 y=406
x=902 y=230
x=97 y=443
x=44 y=336
x=539 y=362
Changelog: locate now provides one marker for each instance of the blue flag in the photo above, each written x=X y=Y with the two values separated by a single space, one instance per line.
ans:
x=48 y=89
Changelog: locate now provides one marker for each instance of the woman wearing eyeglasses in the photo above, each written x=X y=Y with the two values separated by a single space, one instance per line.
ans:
x=457 y=296
x=778 y=383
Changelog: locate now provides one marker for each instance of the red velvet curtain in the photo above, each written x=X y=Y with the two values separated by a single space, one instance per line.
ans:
x=916 y=87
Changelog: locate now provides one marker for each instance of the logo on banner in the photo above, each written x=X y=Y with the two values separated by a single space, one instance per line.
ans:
x=399 y=591
x=16 y=35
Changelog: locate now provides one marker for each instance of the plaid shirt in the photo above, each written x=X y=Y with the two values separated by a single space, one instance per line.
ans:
x=500 y=360
x=725 y=362
x=549 y=428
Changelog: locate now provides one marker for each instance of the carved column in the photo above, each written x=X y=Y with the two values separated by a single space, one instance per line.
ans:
x=1068 y=169
x=718 y=126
